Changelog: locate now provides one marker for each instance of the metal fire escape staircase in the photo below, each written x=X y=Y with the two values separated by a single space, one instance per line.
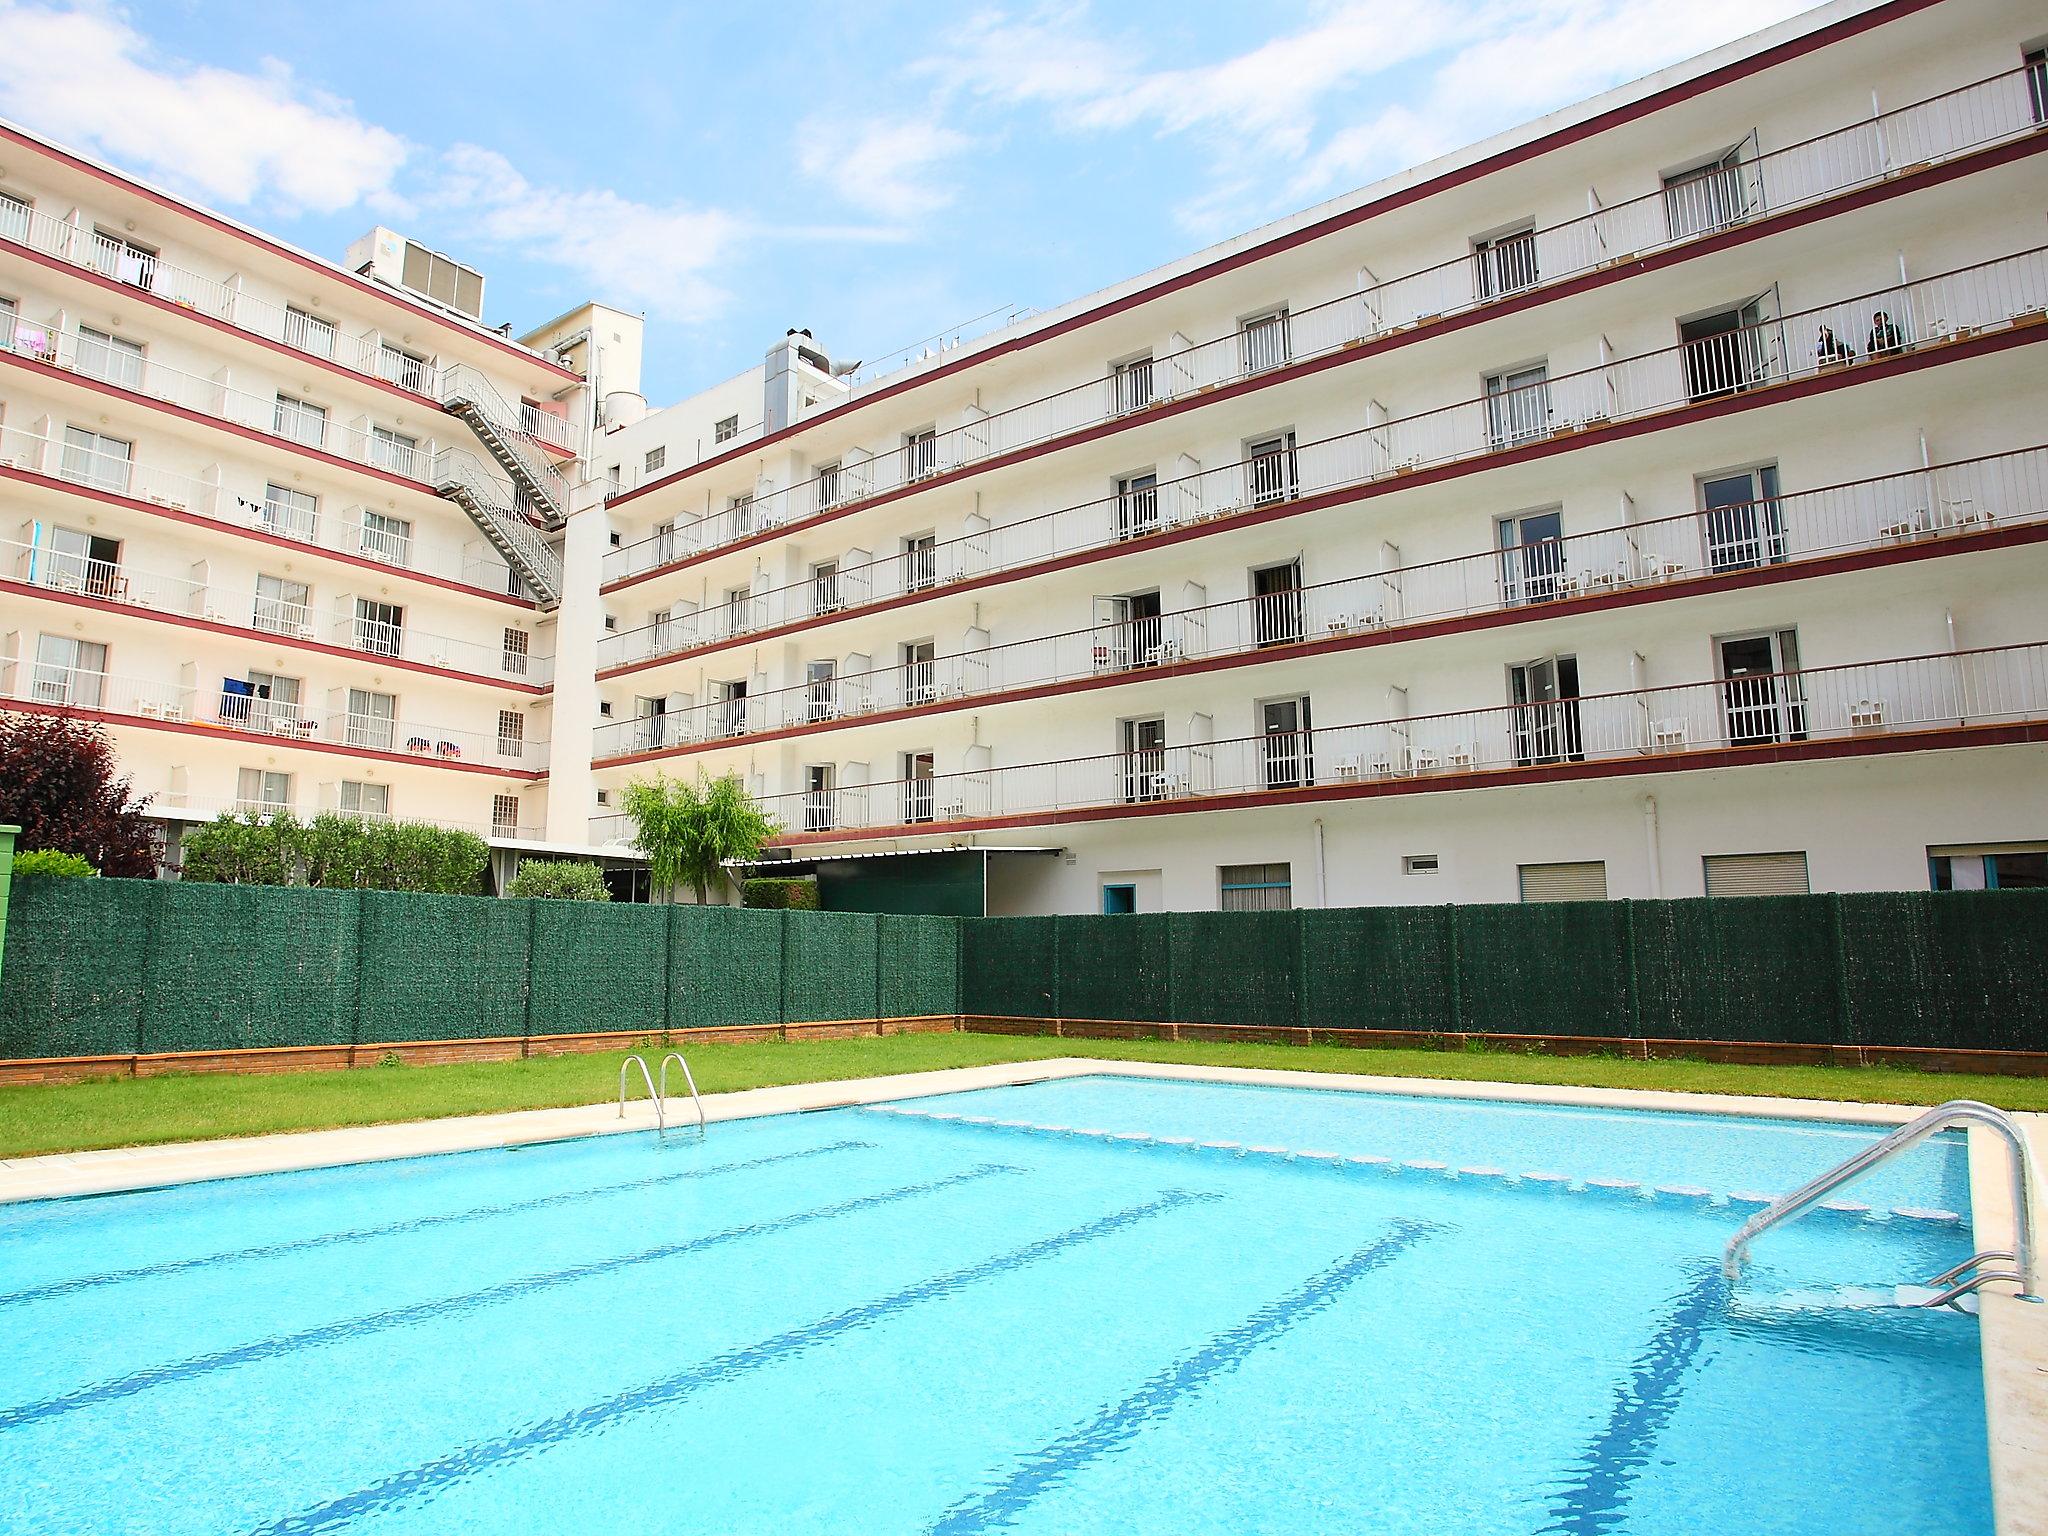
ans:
x=512 y=517
x=494 y=507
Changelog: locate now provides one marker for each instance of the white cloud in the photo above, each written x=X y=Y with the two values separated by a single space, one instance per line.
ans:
x=86 y=77
x=883 y=167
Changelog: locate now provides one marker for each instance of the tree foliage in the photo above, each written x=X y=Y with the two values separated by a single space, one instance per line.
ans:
x=559 y=879
x=61 y=784
x=688 y=830
x=48 y=861
x=336 y=851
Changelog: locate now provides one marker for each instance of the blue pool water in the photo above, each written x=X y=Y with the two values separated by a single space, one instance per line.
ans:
x=879 y=1320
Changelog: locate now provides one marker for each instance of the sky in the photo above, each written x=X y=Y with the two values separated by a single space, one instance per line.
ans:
x=879 y=171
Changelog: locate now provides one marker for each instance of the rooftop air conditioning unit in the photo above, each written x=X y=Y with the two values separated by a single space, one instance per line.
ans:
x=391 y=259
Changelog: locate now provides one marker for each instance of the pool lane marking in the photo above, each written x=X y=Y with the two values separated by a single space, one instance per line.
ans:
x=458 y=1305
x=418 y=1224
x=1595 y=1499
x=1043 y=1470
x=432 y=1476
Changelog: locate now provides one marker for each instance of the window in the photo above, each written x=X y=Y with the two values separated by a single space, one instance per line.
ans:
x=1531 y=556
x=260 y=791
x=1130 y=385
x=917 y=786
x=1276 y=603
x=308 y=332
x=291 y=514
x=14 y=217
x=1119 y=900
x=1419 y=864
x=395 y=451
x=657 y=458
x=372 y=720
x=1255 y=887
x=1545 y=714
x=1762 y=697
x=511 y=733
x=920 y=453
x=818 y=797
x=1144 y=753
x=1287 y=743
x=1706 y=198
x=380 y=627
x=1725 y=351
x=1756 y=874
x=920 y=667
x=402 y=368
x=1127 y=632
x=828 y=485
x=300 y=422
x=825 y=587
x=271 y=703
x=112 y=358
x=650 y=714
x=612 y=483
x=2037 y=93
x=1262 y=341
x=505 y=815
x=739 y=511
x=920 y=562
x=731 y=698
x=281 y=605
x=69 y=671
x=123 y=259
x=725 y=429
x=821 y=690
x=513 y=648
x=1270 y=470
x=361 y=799
x=1585 y=881
x=1137 y=505
x=1505 y=263
x=739 y=610
x=1743 y=522
x=386 y=537
x=94 y=460
x=1517 y=405
x=2020 y=867
x=85 y=563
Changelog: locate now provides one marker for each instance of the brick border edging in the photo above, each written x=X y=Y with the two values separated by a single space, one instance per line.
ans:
x=328 y=1058
x=1781 y=1053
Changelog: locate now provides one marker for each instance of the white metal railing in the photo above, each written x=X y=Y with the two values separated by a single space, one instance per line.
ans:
x=520 y=429
x=1874 y=699
x=249 y=508
x=216 y=704
x=2009 y=291
x=1952 y=123
x=117 y=581
x=1918 y=507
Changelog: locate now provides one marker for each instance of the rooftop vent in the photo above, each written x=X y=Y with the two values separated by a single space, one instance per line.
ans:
x=397 y=262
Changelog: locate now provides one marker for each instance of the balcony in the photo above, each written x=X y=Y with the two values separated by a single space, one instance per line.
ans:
x=208 y=498
x=1932 y=312
x=1956 y=122
x=214 y=707
x=1924 y=509
x=1928 y=701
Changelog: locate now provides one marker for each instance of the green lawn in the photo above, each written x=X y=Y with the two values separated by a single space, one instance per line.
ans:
x=118 y=1112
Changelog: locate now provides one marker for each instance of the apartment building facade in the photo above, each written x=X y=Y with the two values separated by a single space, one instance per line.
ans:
x=1649 y=501
x=284 y=526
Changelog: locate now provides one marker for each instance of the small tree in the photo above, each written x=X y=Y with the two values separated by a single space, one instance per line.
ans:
x=688 y=831
x=249 y=848
x=562 y=879
x=59 y=782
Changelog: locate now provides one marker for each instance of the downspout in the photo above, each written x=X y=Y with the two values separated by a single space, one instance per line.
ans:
x=1322 y=871
x=1652 y=849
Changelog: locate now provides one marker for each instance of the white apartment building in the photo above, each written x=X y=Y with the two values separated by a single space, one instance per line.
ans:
x=1648 y=501
x=282 y=525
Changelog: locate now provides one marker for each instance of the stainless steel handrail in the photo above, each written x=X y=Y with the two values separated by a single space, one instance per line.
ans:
x=1942 y=1117
x=660 y=1118
x=703 y=1124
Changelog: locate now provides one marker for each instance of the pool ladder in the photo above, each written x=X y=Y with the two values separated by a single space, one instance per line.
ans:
x=1962 y=1279
x=660 y=1095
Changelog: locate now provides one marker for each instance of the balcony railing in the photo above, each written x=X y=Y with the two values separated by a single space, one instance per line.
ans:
x=63 y=463
x=149 y=592
x=1871 y=700
x=1956 y=122
x=2011 y=291
x=1920 y=508
x=147 y=700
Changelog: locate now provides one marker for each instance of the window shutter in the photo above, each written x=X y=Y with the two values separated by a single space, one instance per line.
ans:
x=1565 y=882
x=1757 y=874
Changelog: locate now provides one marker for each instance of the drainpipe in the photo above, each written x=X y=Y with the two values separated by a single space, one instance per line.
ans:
x=1322 y=873
x=7 y=835
x=1650 y=847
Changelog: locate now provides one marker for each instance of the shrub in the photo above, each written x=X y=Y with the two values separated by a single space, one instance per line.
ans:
x=337 y=851
x=786 y=895
x=559 y=879
x=243 y=849
x=59 y=784
x=48 y=861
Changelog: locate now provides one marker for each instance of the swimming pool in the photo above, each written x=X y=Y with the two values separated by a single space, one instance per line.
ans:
x=1042 y=1308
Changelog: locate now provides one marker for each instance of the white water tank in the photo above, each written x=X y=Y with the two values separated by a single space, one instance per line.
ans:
x=624 y=408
